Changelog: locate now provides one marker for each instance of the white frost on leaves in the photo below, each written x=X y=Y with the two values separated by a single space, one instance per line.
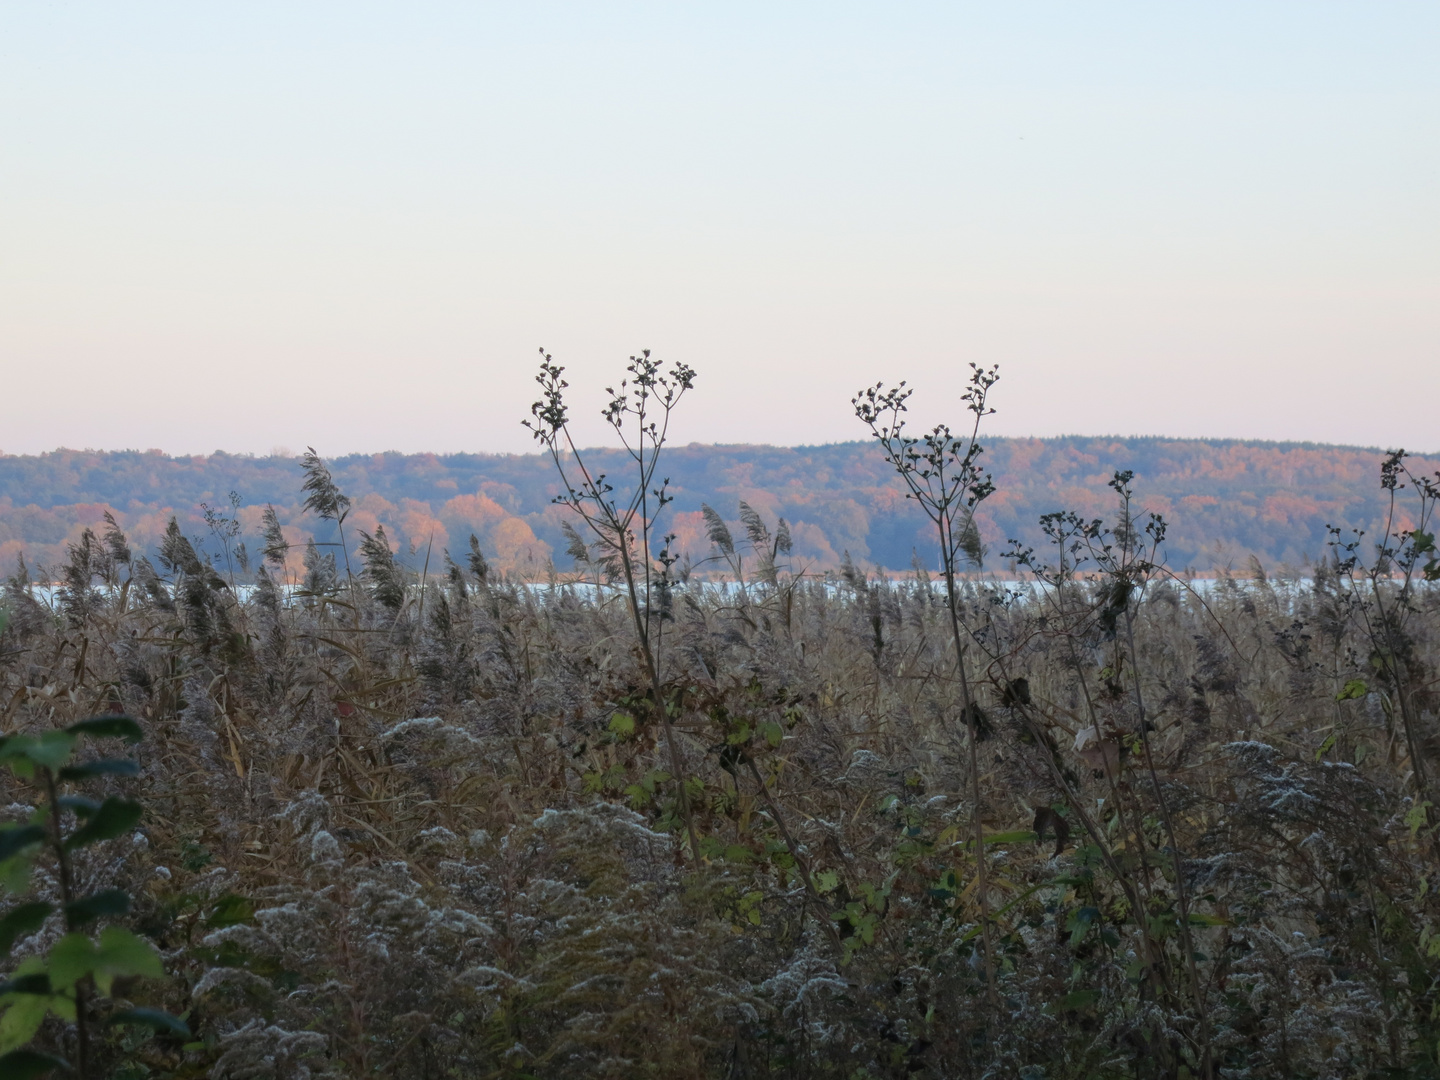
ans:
x=239 y=977
x=324 y=848
x=802 y=990
x=307 y=813
x=449 y=736
x=260 y=1051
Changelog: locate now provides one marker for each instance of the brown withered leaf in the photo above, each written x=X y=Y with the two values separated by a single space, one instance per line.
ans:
x=1047 y=818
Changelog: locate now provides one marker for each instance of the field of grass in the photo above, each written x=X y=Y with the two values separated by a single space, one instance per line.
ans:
x=396 y=827
x=426 y=818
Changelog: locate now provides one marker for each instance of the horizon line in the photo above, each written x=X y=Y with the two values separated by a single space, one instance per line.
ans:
x=285 y=453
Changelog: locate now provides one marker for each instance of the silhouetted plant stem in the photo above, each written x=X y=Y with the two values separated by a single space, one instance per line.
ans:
x=1177 y=859
x=662 y=714
x=972 y=729
x=801 y=862
x=620 y=529
x=942 y=474
x=67 y=895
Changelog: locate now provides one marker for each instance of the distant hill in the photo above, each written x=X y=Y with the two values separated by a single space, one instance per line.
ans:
x=1225 y=499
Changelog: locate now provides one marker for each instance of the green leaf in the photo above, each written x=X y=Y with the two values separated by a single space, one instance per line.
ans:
x=27 y=1064
x=622 y=725
x=15 y=873
x=739 y=736
x=115 y=817
x=121 y=953
x=22 y=1019
x=1200 y=919
x=1079 y=923
x=51 y=749
x=1078 y=999
x=102 y=727
x=81 y=806
x=152 y=1018
x=89 y=908
x=35 y=983
x=1415 y=817
x=71 y=959
x=25 y=919
x=1354 y=688
x=1020 y=836
x=28 y=1003
x=100 y=767
x=230 y=910
x=16 y=838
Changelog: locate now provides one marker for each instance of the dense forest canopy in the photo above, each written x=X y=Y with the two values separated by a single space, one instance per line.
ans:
x=1226 y=500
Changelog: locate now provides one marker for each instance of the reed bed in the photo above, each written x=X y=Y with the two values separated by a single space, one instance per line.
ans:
x=430 y=828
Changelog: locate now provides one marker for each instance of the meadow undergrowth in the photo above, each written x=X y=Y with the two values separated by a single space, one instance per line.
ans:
x=423 y=821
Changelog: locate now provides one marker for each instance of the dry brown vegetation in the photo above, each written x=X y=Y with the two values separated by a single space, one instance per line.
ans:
x=452 y=829
x=431 y=824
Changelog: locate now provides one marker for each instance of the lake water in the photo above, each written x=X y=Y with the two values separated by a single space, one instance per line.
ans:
x=589 y=592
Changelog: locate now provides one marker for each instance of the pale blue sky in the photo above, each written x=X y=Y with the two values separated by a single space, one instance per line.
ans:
x=248 y=225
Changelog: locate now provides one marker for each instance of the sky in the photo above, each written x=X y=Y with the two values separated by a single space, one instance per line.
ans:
x=353 y=226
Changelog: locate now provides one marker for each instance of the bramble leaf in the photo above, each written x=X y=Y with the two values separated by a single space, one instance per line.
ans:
x=100 y=767
x=1079 y=923
x=50 y=749
x=16 y=838
x=230 y=910
x=152 y=1018
x=34 y=983
x=101 y=727
x=121 y=953
x=21 y=1020
x=1078 y=999
x=89 y=908
x=71 y=959
x=1416 y=817
x=27 y=1064
x=1019 y=836
x=1198 y=918
x=25 y=919
x=1354 y=688
x=15 y=873
x=115 y=817
x=82 y=806
x=622 y=725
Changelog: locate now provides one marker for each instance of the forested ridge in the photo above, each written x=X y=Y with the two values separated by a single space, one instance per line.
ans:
x=1226 y=500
